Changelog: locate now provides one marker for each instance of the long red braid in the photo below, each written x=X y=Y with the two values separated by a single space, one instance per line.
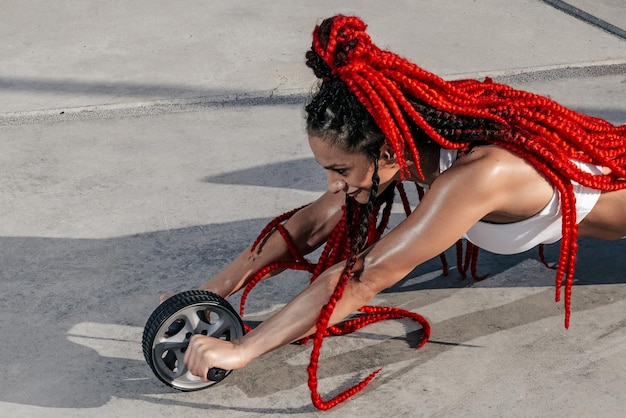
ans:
x=339 y=247
x=538 y=129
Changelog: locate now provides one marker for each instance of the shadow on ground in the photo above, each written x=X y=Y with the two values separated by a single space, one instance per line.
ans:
x=51 y=285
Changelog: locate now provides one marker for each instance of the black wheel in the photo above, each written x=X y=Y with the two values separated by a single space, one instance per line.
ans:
x=169 y=328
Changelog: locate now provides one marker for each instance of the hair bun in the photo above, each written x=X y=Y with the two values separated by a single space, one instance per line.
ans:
x=317 y=64
x=341 y=41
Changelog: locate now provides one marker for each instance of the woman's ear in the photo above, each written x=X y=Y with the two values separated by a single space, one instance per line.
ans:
x=387 y=155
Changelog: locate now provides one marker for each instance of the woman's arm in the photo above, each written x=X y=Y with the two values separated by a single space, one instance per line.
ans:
x=309 y=228
x=445 y=213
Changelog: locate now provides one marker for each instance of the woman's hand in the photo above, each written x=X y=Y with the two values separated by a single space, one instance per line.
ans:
x=204 y=353
x=165 y=296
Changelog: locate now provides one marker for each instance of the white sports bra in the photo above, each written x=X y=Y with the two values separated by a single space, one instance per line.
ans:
x=543 y=228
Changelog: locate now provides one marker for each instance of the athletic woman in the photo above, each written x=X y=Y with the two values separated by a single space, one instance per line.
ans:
x=506 y=169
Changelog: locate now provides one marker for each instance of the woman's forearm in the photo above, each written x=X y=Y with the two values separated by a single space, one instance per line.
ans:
x=298 y=318
x=308 y=229
x=241 y=270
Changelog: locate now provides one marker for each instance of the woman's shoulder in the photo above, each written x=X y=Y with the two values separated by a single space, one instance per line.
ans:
x=489 y=155
x=495 y=164
x=489 y=170
x=488 y=163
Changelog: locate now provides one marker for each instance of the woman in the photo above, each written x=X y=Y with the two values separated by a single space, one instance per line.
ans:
x=506 y=169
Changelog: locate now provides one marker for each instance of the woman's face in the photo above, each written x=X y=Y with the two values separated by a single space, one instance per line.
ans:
x=350 y=172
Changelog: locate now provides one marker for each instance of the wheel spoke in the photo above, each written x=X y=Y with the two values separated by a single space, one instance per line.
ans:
x=181 y=367
x=161 y=348
x=169 y=356
x=223 y=327
x=192 y=321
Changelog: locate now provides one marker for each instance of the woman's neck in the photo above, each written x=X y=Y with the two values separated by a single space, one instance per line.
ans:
x=429 y=163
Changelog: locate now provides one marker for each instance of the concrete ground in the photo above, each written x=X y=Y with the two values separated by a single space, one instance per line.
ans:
x=143 y=144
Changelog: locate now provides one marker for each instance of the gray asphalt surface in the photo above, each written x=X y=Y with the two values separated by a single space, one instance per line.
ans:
x=144 y=144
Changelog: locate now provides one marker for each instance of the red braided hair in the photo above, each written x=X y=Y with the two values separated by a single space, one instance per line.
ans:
x=337 y=249
x=543 y=132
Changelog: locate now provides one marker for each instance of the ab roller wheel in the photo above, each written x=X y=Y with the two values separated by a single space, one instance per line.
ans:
x=169 y=328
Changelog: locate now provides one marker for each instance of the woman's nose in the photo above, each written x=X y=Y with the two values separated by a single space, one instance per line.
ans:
x=335 y=185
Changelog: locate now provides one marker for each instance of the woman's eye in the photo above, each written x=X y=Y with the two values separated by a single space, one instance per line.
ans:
x=341 y=171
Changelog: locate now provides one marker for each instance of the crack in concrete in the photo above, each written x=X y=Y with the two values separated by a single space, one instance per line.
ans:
x=293 y=97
